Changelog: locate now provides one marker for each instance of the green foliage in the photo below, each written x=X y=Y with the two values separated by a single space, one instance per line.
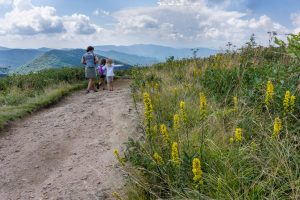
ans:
x=259 y=167
x=293 y=45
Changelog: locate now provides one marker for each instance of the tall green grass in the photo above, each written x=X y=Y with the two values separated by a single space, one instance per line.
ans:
x=259 y=167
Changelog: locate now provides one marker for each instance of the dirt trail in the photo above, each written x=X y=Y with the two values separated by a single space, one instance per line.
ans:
x=66 y=151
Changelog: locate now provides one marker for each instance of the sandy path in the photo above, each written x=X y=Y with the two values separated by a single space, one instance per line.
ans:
x=66 y=151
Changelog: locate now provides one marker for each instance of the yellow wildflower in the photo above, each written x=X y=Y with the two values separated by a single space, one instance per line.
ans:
x=238 y=135
x=183 y=113
x=175 y=156
x=269 y=93
x=231 y=140
x=118 y=157
x=277 y=127
x=195 y=72
x=197 y=171
x=158 y=159
x=176 y=123
x=148 y=111
x=286 y=102
x=203 y=106
x=117 y=195
x=292 y=103
x=235 y=102
x=164 y=132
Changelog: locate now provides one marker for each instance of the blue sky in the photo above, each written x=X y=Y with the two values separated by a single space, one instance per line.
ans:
x=178 y=23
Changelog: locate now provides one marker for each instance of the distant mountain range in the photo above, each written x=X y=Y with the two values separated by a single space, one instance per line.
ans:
x=27 y=60
x=13 y=58
x=157 y=51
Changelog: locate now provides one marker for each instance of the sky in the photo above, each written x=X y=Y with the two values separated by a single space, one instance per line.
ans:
x=176 y=23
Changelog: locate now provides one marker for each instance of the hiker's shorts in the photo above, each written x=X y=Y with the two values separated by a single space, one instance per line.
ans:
x=90 y=72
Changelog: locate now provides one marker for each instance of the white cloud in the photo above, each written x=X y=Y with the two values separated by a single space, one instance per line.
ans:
x=295 y=17
x=26 y=19
x=80 y=24
x=101 y=12
x=5 y=2
x=193 y=22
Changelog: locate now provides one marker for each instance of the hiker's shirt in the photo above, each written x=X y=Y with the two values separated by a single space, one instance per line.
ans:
x=89 y=59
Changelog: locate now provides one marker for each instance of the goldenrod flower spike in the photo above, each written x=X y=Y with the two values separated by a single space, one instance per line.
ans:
x=175 y=156
x=231 y=140
x=286 y=102
x=118 y=157
x=269 y=94
x=203 y=107
x=176 y=123
x=197 y=171
x=292 y=103
x=148 y=111
x=164 y=132
x=238 y=135
x=277 y=128
x=158 y=159
x=183 y=113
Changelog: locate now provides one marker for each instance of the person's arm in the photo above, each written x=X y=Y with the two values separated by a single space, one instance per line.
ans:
x=82 y=60
x=96 y=60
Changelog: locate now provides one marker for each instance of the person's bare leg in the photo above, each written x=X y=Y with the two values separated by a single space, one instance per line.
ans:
x=89 y=85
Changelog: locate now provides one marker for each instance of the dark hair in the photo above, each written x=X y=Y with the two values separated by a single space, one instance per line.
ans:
x=90 y=48
x=103 y=61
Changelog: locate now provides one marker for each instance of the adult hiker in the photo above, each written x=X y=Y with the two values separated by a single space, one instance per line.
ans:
x=90 y=60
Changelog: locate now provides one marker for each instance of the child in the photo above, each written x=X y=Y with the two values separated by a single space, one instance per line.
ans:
x=102 y=73
x=109 y=74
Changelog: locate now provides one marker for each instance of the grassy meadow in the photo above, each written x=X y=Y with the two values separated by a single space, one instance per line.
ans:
x=22 y=94
x=223 y=127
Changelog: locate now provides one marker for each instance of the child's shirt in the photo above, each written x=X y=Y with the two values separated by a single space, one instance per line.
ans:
x=109 y=70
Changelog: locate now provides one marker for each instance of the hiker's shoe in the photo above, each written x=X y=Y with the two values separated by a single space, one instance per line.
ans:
x=87 y=91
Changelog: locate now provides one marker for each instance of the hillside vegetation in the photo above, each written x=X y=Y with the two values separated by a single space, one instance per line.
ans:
x=22 y=94
x=14 y=58
x=222 y=127
x=56 y=59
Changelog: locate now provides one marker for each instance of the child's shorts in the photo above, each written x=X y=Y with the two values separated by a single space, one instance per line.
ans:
x=109 y=78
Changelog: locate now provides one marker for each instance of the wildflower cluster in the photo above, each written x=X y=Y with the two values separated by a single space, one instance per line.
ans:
x=148 y=112
x=197 y=171
x=238 y=135
x=175 y=157
x=288 y=103
x=158 y=159
x=277 y=127
x=203 y=109
x=183 y=113
x=269 y=94
x=164 y=132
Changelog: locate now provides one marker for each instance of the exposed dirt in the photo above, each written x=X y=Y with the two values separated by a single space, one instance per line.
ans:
x=66 y=151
